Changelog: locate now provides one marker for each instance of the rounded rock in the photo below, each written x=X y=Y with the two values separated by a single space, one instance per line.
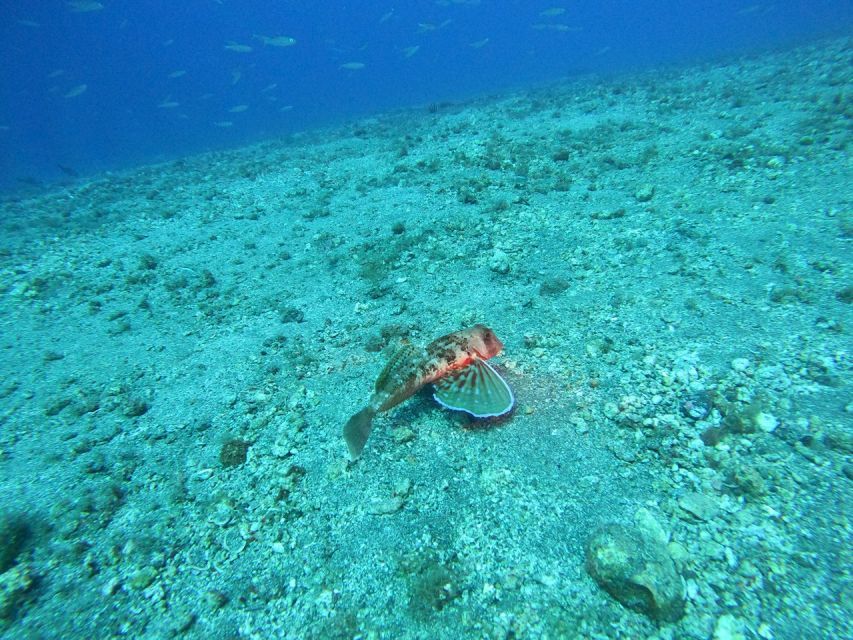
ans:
x=638 y=573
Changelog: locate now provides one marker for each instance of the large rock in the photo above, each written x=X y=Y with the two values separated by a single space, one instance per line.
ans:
x=636 y=571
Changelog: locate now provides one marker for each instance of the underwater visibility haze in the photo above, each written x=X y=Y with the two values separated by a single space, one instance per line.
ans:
x=430 y=319
x=95 y=86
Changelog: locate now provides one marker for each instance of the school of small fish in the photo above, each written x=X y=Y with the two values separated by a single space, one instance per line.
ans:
x=423 y=29
x=455 y=364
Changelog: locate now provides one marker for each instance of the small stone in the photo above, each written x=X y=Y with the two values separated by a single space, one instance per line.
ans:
x=233 y=452
x=740 y=365
x=142 y=579
x=698 y=405
x=181 y=622
x=839 y=440
x=499 y=262
x=403 y=435
x=765 y=422
x=215 y=599
x=221 y=514
x=729 y=628
x=233 y=541
x=291 y=314
x=608 y=215
x=403 y=487
x=111 y=587
x=554 y=286
x=203 y=474
x=645 y=193
x=579 y=424
x=712 y=436
x=136 y=408
x=698 y=505
x=649 y=526
x=637 y=572
x=747 y=480
x=386 y=506
x=14 y=585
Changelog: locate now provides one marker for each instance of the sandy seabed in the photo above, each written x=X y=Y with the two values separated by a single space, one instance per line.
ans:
x=667 y=258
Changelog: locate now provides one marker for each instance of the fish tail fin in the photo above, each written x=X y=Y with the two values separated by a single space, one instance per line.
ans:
x=357 y=430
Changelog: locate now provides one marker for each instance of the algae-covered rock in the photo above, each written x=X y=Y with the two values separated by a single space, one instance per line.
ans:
x=14 y=585
x=14 y=533
x=637 y=572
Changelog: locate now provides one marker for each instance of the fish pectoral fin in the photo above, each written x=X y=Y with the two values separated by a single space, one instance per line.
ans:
x=477 y=389
x=357 y=430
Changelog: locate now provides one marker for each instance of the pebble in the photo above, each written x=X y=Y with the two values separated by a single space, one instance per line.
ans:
x=645 y=193
x=699 y=505
x=222 y=515
x=403 y=435
x=142 y=578
x=386 y=506
x=215 y=599
x=740 y=365
x=649 y=526
x=14 y=585
x=403 y=487
x=698 y=405
x=729 y=628
x=233 y=541
x=111 y=587
x=181 y=622
x=499 y=262
x=766 y=422
x=204 y=474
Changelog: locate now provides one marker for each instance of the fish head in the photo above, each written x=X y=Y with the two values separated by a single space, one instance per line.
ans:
x=484 y=341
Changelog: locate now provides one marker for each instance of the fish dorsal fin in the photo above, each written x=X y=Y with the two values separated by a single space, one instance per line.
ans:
x=399 y=368
x=477 y=389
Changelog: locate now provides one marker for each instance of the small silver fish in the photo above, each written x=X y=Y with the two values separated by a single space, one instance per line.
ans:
x=455 y=364
x=276 y=41
x=237 y=47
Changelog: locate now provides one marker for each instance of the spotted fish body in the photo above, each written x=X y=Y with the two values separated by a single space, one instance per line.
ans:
x=455 y=363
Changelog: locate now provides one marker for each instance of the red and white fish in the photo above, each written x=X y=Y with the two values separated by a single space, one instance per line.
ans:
x=455 y=364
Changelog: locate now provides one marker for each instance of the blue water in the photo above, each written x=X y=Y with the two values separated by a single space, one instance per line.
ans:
x=132 y=111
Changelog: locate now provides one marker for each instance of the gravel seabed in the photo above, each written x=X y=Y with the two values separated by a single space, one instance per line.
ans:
x=667 y=259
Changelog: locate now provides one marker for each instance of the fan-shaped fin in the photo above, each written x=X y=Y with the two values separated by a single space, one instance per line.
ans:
x=477 y=389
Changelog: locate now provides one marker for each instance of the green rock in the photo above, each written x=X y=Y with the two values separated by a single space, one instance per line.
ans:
x=233 y=452
x=645 y=193
x=14 y=534
x=14 y=583
x=143 y=578
x=638 y=573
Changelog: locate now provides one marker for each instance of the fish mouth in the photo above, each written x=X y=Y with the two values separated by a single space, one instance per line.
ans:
x=495 y=348
x=489 y=353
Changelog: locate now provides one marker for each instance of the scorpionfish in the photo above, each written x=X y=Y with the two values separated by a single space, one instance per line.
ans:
x=455 y=364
